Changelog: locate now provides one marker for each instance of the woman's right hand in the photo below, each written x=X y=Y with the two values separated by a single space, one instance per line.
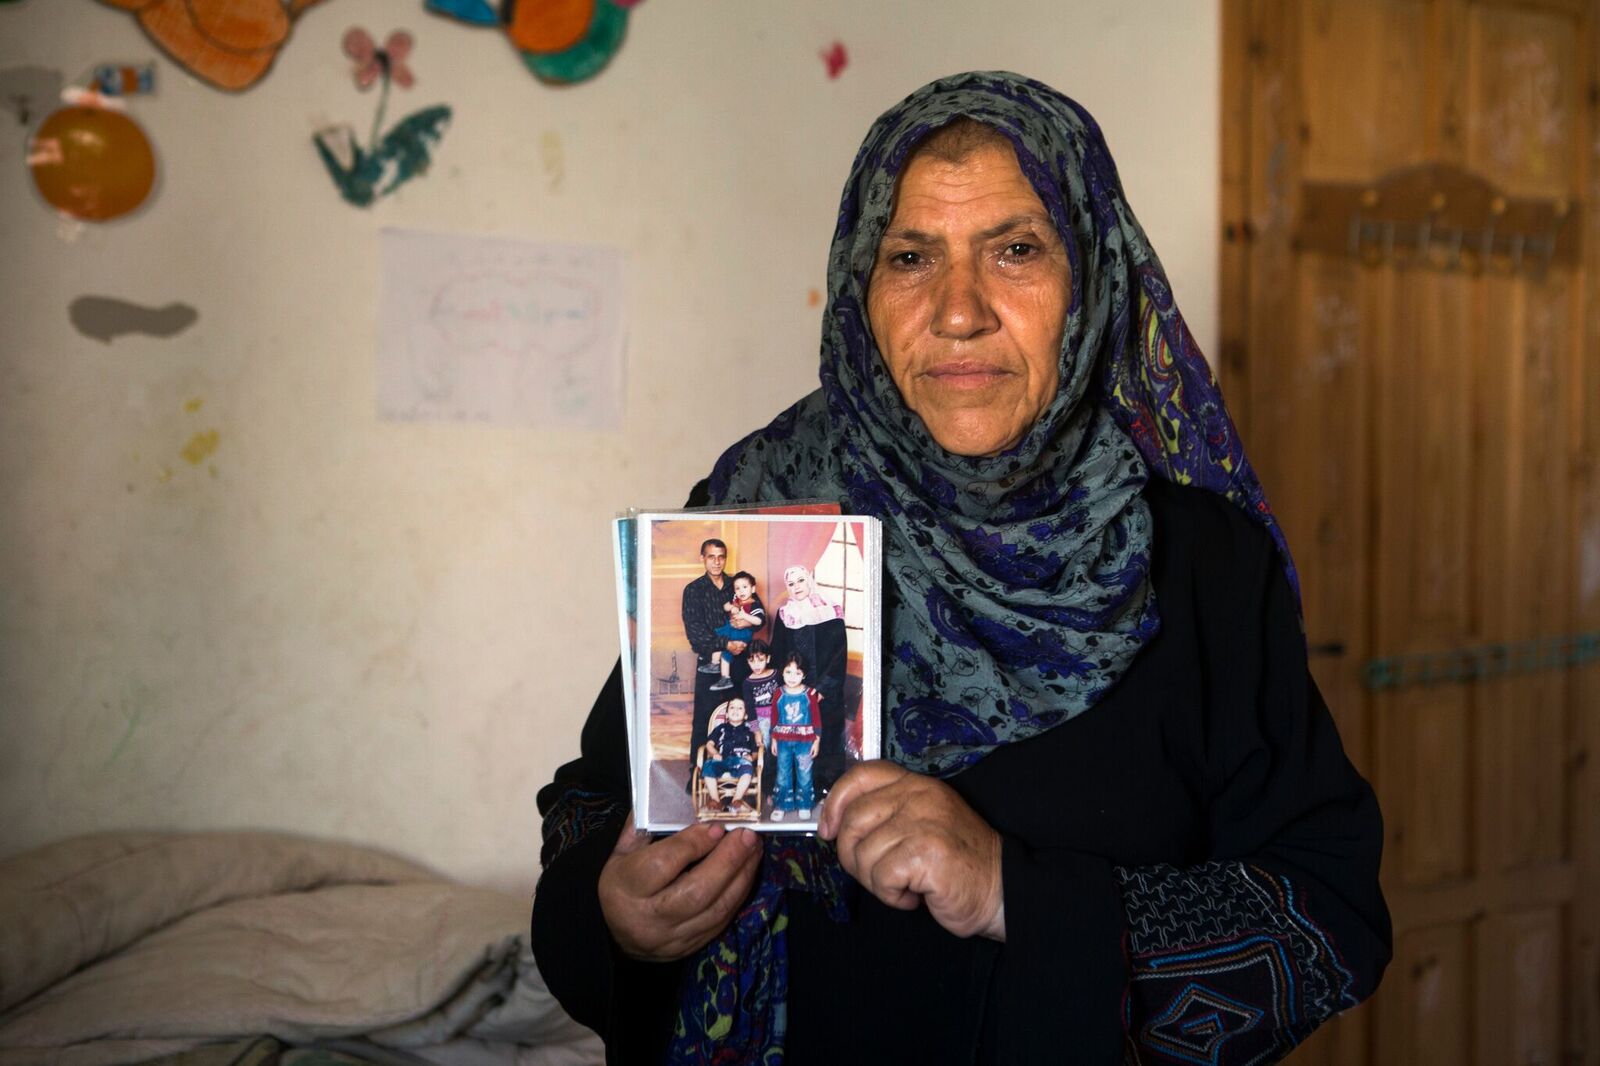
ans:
x=665 y=900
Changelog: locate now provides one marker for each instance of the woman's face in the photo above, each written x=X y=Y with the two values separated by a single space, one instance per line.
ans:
x=798 y=585
x=968 y=299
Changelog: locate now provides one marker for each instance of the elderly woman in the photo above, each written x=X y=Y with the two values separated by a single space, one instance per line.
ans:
x=1115 y=822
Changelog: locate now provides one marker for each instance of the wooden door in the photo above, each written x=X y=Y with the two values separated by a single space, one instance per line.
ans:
x=1421 y=395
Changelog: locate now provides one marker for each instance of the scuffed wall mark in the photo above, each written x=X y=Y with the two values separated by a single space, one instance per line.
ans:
x=193 y=404
x=1526 y=122
x=814 y=298
x=132 y=705
x=1276 y=176
x=1430 y=991
x=1589 y=567
x=554 y=158
x=394 y=665
x=201 y=447
x=105 y=318
x=29 y=92
x=1337 y=324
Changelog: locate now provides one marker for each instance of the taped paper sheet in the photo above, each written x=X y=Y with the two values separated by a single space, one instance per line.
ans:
x=483 y=329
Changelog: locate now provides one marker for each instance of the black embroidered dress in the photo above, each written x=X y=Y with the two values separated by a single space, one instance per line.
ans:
x=1190 y=867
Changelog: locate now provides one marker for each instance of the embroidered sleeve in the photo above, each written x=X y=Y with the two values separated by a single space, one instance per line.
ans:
x=1238 y=958
x=573 y=817
x=1226 y=965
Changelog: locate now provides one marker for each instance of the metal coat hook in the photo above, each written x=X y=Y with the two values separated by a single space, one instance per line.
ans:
x=1442 y=217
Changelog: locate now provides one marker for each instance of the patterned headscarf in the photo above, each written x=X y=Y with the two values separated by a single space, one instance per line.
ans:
x=1017 y=586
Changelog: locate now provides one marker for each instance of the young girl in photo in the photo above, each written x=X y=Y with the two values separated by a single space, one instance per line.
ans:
x=796 y=725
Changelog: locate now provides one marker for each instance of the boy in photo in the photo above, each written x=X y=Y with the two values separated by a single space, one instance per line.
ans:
x=730 y=749
x=745 y=616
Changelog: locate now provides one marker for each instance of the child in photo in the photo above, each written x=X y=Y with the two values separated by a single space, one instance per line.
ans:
x=796 y=734
x=761 y=688
x=730 y=749
x=745 y=616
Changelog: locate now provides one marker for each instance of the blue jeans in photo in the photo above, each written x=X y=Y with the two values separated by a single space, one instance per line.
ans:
x=715 y=768
x=793 y=789
x=728 y=631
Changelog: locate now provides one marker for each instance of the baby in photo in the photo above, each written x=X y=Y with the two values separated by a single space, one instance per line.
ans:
x=745 y=616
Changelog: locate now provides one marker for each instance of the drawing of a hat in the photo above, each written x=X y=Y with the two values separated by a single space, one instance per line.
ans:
x=229 y=43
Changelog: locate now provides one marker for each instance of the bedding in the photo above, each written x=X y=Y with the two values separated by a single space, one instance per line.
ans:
x=264 y=949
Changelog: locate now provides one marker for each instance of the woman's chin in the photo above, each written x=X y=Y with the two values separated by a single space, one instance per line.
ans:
x=974 y=441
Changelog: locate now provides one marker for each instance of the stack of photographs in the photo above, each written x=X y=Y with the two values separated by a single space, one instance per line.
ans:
x=751 y=641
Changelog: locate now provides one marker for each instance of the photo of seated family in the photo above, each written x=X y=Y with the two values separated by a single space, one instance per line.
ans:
x=757 y=643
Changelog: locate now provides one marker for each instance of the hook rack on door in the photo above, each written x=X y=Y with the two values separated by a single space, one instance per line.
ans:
x=1438 y=217
x=1482 y=663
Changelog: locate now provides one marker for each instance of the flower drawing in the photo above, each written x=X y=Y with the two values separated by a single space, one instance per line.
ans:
x=388 y=160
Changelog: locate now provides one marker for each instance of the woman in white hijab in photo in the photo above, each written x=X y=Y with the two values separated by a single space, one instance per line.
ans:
x=811 y=624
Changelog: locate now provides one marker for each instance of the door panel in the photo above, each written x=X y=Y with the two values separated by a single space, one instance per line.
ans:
x=1427 y=426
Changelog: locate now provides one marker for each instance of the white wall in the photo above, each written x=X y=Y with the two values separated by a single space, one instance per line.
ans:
x=387 y=632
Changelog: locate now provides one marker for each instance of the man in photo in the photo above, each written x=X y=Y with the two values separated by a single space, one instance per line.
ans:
x=703 y=602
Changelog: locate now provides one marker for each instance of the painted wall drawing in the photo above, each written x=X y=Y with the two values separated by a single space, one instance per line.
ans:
x=229 y=43
x=560 y=41
x=389 y=159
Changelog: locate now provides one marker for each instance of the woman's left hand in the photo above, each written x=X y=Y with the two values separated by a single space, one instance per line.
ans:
x=910 y=839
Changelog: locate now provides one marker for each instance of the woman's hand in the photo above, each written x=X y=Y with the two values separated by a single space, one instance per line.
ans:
x=666 y=900
x=910 y=839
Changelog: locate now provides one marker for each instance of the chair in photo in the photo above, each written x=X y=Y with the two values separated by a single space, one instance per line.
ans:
x=708 y=802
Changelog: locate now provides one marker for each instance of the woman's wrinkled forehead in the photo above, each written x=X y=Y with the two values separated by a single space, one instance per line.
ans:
x=1045 y=129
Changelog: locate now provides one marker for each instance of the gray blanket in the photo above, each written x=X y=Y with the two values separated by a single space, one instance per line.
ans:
x=133 y=946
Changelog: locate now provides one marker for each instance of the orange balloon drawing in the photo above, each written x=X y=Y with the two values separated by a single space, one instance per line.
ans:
x=92 y=163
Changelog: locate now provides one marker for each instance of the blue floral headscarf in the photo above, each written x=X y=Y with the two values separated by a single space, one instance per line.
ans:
x=1017 y=586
